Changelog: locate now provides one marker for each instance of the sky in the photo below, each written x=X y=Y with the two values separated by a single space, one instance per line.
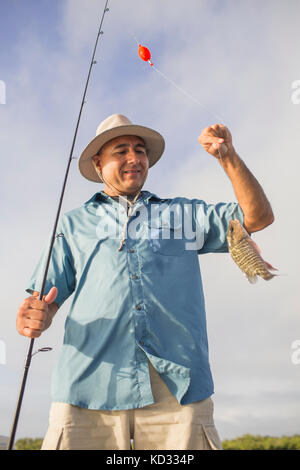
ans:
x=232 y=59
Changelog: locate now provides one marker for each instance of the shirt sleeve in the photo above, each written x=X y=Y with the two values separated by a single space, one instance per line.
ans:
x=212 y=221
x=61 y=272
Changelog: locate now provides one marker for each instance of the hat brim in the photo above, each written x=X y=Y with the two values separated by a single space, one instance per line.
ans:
x=154 y=142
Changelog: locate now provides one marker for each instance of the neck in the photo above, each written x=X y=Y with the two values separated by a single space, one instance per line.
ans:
x=116 y=193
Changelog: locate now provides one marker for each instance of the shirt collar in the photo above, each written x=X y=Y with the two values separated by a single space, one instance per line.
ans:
x=102 y=197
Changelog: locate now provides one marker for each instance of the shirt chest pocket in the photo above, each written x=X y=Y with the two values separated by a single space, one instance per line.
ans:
x=166 y=238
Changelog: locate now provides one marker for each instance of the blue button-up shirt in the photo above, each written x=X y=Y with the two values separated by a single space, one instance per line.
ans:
x=136 y=302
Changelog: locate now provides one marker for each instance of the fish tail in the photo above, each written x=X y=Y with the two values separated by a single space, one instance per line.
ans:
x=266 y=275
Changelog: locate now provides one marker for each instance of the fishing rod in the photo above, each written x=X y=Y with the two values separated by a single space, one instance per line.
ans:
x=29 y=353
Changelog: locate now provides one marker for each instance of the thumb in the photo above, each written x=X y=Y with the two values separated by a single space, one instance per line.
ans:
x=51 y=296
x=223 y=149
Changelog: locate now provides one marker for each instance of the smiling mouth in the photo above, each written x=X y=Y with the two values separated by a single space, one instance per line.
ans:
x=132 y=172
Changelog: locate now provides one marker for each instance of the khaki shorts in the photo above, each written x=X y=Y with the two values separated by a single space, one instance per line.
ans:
x=164 y=425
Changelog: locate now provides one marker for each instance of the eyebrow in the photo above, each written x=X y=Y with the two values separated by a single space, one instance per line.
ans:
x=127 y=145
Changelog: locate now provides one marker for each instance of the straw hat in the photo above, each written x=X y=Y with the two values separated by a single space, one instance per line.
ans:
x=118 y=125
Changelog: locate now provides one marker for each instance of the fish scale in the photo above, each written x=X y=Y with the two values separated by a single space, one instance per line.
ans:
x=245 y=253
x=249 y=260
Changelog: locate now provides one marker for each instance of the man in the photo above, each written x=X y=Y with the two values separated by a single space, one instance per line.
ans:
x=134 y=363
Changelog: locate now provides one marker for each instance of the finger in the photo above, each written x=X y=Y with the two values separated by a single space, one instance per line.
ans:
x=51 y=296
x=33 y=303
x=210 y=140
x=34 y=324
x=217 y=140
x=31 y=333
x=35 y=315
x=220 y=130
x=215 y=127
x=222 y=148
x=209 y=131
x=218 y=126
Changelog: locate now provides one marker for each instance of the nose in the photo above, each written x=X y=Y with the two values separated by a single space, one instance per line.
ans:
x=133 y=156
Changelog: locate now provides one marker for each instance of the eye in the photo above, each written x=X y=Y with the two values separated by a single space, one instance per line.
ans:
x=121 y=152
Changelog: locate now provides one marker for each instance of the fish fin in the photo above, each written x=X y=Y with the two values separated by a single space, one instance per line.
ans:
x=268 y=276
x=252 y=279
x=254 y=245
x=269 y=266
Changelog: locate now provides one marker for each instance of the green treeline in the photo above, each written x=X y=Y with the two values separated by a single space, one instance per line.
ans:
x=29 y=444
x=246 y=442
x=250 y=442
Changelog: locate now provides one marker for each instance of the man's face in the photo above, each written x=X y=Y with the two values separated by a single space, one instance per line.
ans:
x=124 y=164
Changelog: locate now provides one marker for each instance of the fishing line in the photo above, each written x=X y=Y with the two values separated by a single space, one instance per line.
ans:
x=188 y=95
x=29 y=353
x=179 y=88
x=220 y=156
x=134 y=37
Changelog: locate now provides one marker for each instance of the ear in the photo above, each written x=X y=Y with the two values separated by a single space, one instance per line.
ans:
x=96 y=160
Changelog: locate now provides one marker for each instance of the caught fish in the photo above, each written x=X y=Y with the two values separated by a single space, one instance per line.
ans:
x=246 y=254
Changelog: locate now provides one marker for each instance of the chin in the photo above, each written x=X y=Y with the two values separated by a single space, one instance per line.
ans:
x=133 y=189
x=134 y=186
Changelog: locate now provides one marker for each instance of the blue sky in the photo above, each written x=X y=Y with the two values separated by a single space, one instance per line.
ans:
x=237 y=58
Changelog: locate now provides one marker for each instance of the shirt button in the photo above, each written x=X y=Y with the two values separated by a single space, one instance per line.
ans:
x=131 y=250
x=138 y=307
